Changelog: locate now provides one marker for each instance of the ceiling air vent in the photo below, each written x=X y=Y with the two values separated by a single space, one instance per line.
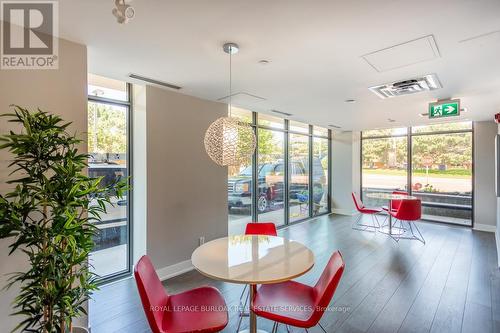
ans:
x=153 y=81
x=407 y=87
x=281 y=113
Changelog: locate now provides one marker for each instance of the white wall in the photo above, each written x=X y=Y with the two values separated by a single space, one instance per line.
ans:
x=187 y=192
x=497 y=233
x=345 y=170
x=485 y=201
x=140 y=173
x=62 y=91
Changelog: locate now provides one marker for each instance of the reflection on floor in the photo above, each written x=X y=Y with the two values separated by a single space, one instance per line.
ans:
x=447 y=219
x=238 y=219
x=451 y=284
x=109 y=261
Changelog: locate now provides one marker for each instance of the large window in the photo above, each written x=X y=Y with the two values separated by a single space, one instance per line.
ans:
x=320 y=163
x=433 y=162
x=276 y=184
x=109 y=150
x=384 y=161
x=299 y=177
x=271 y=179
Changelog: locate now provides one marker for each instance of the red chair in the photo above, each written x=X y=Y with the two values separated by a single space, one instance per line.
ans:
x=254 y=228
x=409 y=211
x=296 y=304
x=162 y=309
x=362 y=210
x=261 y=228
x=395 y=203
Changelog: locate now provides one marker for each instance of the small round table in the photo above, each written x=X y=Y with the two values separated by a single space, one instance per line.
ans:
x=389 y=197
x=253 y=260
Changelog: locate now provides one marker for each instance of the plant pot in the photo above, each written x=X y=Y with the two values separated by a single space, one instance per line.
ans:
x=78 y=329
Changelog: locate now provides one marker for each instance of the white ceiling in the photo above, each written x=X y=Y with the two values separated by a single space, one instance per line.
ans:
x=315 y=50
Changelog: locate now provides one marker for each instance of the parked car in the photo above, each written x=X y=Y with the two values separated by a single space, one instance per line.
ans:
x=271 y=186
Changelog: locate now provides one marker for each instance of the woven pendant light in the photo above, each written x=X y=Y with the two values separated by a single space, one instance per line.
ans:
x=228 y=140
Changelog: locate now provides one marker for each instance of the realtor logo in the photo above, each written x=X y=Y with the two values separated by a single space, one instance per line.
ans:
x=29 y=35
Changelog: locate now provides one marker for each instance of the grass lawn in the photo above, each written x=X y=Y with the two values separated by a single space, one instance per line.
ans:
x=452 y=173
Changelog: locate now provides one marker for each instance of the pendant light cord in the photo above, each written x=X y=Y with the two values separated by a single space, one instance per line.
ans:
x=230 y=79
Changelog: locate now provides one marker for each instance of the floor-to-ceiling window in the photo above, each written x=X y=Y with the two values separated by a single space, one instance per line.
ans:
x=240 y=186
x=442 y=171
x=109 y=150
x=298 y=190
x=320 y=167
x=276 y=184
x=433 y=162
x=271 y=170
x=384 y=162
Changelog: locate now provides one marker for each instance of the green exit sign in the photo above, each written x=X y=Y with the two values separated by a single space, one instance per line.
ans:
x=441 y=109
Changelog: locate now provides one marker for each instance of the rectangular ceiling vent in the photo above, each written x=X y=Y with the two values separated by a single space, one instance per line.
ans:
x=407 y=87
x=281 y=113
x=153 y=81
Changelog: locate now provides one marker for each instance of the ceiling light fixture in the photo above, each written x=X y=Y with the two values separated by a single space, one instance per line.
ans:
x=391 y=120
x=123 y=12
x=350 y=100
x=230 y=141
x=264 y=62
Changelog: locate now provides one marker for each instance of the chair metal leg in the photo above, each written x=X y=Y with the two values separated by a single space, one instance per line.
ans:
x=319 y=324
x=358 y=225
x=421 y=238
x=287 y=329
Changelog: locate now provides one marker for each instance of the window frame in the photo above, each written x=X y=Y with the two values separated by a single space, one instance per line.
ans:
x=409 y=167
x=289 y=168
x=128 y=105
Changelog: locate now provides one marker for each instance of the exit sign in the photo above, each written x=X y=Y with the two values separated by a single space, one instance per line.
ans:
x=441 y=109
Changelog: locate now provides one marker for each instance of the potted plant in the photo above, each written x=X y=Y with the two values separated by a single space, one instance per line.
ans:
x=49 y=214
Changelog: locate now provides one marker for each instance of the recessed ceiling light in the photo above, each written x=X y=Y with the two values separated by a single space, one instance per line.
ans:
x=391 y=120
x=264 y=62
x=350 y=100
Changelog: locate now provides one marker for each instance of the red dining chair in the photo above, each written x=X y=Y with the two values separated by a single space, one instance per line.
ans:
x=409 y=211
x=362 y=210
x=163 y=310
x=395 y=203
x=254 y=228
x=261 y=228
x=296 y=304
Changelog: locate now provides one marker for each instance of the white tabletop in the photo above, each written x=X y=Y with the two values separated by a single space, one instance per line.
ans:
x=253 y=259
x=390 y=196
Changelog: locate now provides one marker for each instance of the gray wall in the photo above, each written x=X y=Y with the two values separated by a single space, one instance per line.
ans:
x=485 y=201
x=187 y=192
x=62 y=91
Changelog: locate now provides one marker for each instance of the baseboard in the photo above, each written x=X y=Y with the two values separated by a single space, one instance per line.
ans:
x=342 y=211
x=484 y=227
x=174 y=270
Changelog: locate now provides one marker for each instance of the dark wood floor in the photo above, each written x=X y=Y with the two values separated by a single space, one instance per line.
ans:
x=451 y=284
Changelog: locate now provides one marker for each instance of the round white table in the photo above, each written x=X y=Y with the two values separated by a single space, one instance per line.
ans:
x=253 y=260
x=389 y=197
